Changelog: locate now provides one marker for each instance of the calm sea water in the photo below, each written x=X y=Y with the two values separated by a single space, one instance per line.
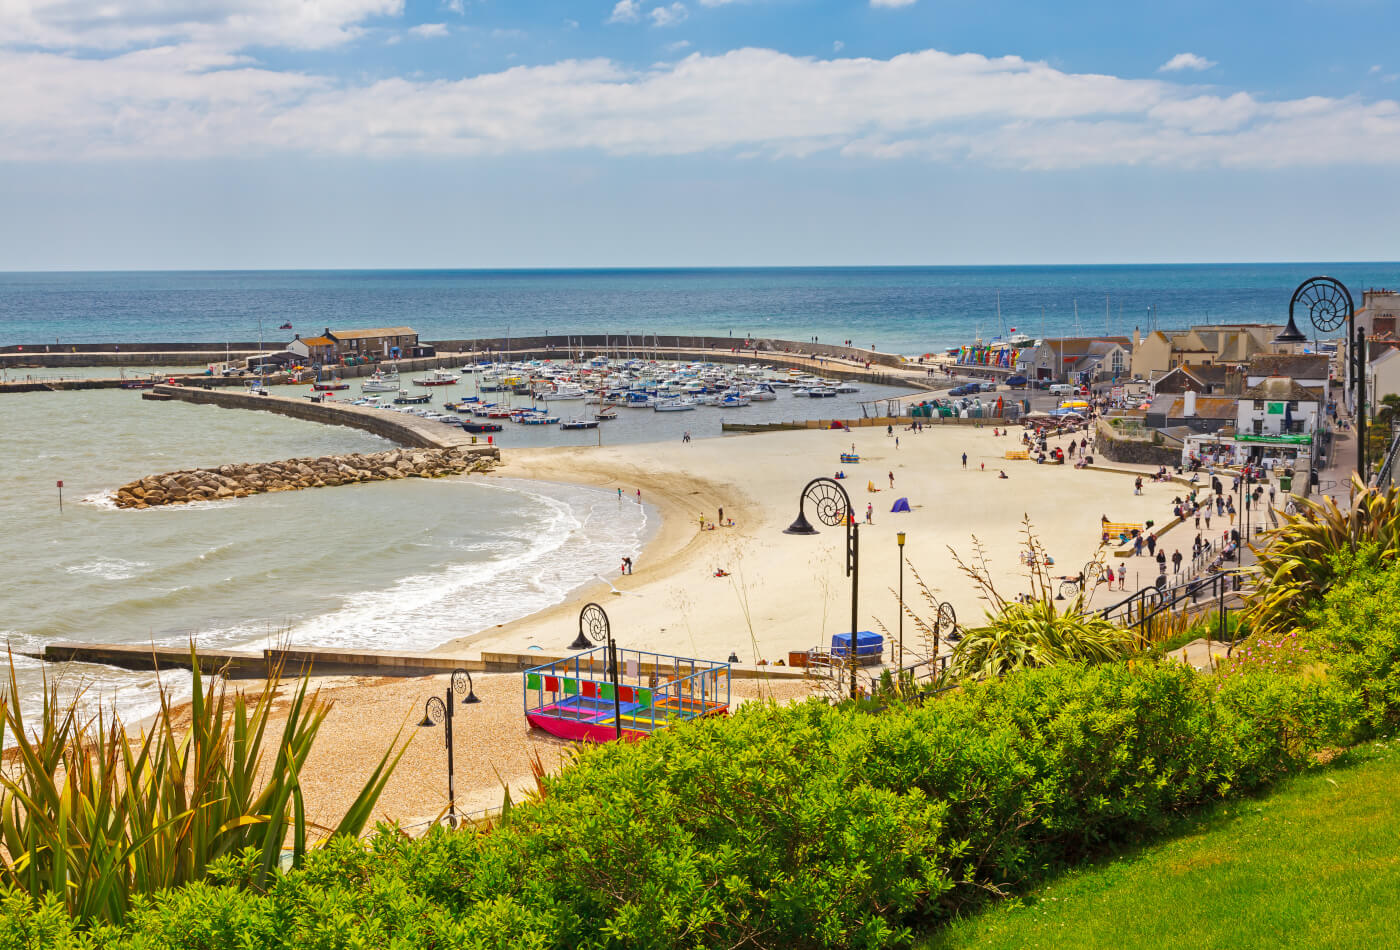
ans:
x=904 y=309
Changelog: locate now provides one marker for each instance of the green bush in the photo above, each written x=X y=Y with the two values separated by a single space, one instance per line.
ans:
x=801 y=826
x=1357 y=628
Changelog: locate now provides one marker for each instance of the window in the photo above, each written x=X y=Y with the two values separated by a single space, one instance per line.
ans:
x=1292 y=405
x=1258 y=426
x=1258 y=405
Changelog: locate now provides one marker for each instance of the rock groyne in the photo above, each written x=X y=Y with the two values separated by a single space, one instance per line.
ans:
x=243 y=479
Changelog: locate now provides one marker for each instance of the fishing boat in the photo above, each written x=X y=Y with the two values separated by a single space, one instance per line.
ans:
x=607 y=415
x=381 y=383
x=405 y=398
x=330 y=386
x=438 y=377
x=846 y=388
x=481 y=426
x=579 y=424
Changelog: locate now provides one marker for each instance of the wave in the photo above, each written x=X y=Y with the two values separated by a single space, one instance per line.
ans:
x=109 y=568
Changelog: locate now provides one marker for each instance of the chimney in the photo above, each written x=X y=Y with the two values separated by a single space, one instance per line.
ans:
x=1189 y=409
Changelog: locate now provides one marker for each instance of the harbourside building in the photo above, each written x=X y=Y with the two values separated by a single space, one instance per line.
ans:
x=1076 y=359
x=379 y=343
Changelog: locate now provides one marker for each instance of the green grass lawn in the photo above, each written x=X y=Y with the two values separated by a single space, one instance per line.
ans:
x=1314 y=864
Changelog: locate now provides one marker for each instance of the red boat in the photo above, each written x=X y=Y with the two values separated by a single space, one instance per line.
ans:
x=330 y=387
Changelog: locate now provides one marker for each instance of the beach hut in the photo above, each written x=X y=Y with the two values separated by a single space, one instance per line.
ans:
x=901 y=505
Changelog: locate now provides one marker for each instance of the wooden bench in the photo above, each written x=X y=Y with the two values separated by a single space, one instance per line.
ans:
x=1113 y=530
x=1018 y=454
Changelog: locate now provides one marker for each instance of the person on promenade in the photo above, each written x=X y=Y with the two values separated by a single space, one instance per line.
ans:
x=1162 y=561
x=1151 y=545
x=1137 y=546
x=1122 y=575
x=1207 y=519
x=1176 y=562
x=1137 y=485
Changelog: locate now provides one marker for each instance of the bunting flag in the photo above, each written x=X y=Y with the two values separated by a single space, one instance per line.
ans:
x=532 y=681
x=551 y=684
x=590 y=688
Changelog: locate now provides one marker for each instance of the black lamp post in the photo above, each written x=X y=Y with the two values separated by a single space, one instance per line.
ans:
x=595 y=620
x=1329 y=306
x=440 y=711
x=899 y=538
x=833 y=507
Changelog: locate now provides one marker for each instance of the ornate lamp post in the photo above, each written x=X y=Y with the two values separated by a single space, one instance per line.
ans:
x=899 y=538
x=1329 y=306
x=439 y=710
x=594 y=619
x=833 y=507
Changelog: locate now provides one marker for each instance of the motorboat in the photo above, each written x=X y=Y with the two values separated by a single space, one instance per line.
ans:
x=821 y=392
x=381 y=383
x=763 y=392
x=679 y=404
x=846 y=388
x=607 y=415
x=438 y=377
x=405 y=398
x=481 y=426
x=579 y=424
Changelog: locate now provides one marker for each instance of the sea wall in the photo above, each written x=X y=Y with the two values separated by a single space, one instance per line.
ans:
x=243 y=479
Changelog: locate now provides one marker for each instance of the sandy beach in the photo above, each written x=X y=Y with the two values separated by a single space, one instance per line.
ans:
x=782 y=592
x=785 y=592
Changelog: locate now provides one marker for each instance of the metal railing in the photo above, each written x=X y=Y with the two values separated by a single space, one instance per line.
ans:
x=1385 y=477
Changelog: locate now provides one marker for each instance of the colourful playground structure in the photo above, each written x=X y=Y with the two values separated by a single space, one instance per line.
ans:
x=579 y=698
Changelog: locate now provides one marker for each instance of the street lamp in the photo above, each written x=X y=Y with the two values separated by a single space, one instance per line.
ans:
x=595 y=620
x=437 y=710
x=899 y=537
x=1329 y=306
x=833 y=506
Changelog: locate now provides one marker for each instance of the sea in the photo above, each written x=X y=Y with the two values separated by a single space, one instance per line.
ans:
x=411 y=565
x=906 y=310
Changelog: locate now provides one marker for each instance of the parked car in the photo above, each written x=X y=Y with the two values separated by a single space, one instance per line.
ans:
x=1016 y=382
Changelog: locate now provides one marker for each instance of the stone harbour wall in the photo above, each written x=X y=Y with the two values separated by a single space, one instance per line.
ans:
x=243 y=479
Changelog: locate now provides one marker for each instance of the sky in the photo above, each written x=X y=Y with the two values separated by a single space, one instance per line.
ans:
x=167 y=134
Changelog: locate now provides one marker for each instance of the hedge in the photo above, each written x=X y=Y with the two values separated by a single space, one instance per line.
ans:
x=793 y=827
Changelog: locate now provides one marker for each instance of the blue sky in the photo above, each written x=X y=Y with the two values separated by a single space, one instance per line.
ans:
x=479 y=133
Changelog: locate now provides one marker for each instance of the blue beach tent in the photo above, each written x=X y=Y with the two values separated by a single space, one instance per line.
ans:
x=901 y=505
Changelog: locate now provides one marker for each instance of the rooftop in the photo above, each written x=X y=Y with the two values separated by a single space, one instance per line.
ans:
x=374 y=332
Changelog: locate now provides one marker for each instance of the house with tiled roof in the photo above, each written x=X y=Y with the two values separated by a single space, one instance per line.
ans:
x=1280 y=405
x=1207 y=379
x=1192 y=411
x=1161 y=351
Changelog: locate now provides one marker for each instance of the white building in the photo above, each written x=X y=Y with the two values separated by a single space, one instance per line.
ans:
x=1278 y=405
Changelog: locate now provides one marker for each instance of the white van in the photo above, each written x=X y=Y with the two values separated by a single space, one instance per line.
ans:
x=1062 y=389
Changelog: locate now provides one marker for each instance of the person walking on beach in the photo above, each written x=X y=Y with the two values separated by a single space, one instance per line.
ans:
x=639 y=496
x=964 y=460
x=869 y=511
x=891 y=479
x=1122 y=575
x=619 y=494
x=720 y=522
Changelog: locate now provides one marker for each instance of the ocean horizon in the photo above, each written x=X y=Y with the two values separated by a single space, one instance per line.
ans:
x=906 y=309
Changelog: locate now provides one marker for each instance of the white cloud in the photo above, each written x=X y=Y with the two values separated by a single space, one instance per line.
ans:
x=192 y=100
x=429 y=30
x=571 y=24
x=1183 y=61
x=837 y=46
x=228 y=24
x=668 y=16
x=626 y=11
x=891 y=4
x=458 y=7
x=677 y=46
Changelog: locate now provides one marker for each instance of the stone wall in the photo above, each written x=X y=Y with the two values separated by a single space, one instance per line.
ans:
x=243 y=479
x=1135 y=451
